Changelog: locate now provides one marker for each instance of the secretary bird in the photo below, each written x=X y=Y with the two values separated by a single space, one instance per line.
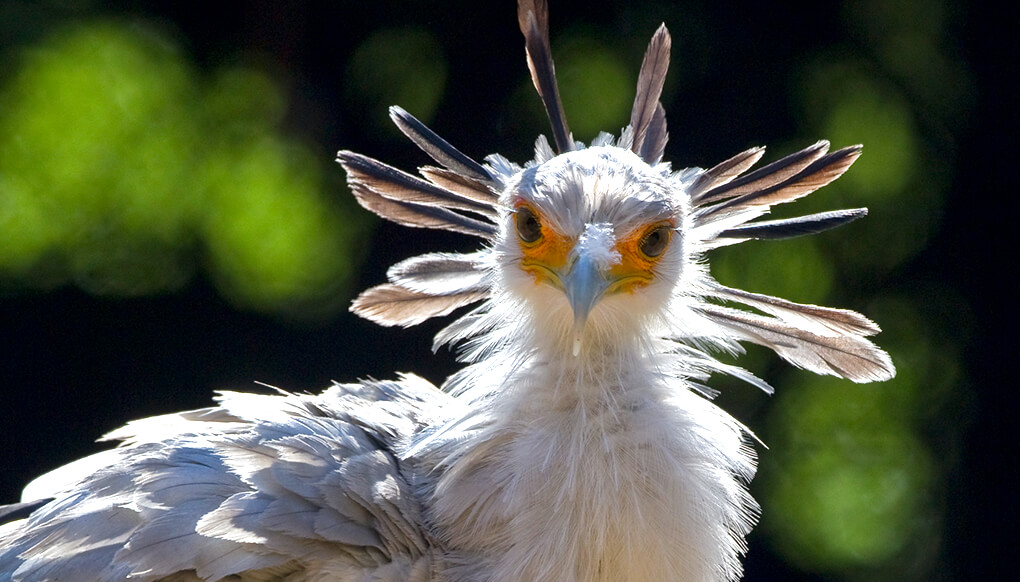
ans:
x=579 y=443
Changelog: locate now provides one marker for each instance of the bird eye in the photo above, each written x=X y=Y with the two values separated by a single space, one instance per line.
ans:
x=655 y=241
x=528 y=226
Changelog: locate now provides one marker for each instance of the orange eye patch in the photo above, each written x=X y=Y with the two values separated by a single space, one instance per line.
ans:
x=545 y=250
x=639 y=252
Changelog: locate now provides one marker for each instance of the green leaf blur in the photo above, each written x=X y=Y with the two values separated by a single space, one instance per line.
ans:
x=127 y=171
x=852 y=484
x=399 y=66
x=124 y=170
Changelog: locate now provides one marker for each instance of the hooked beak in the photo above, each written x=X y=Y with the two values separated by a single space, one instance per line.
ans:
x=584 y=284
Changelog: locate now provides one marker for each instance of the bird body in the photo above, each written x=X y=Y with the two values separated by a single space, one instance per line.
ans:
x=623 y=435
x=578 y=444
x=578 y=481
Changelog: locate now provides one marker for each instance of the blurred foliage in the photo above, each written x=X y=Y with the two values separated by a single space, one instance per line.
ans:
x=122 y=168
x=851 y=486
x=396 y=66
x=586 y=66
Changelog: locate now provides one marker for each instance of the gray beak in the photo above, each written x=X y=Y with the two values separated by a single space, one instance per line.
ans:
x=584 y=284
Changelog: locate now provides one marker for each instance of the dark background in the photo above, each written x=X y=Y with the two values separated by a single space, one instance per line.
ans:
x=74 y=365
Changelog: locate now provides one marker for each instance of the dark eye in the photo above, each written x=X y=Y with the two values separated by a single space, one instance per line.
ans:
x=655 y=241
x=528 y=226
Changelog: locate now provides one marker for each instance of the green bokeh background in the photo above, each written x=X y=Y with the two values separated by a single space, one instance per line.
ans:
x=171 y=223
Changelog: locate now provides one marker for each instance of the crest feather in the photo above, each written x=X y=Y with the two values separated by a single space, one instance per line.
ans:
x=648 y=118
x=533 y=18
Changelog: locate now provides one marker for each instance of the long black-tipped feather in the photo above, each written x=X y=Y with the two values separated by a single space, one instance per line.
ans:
x=723 y=173
x=461 y=185
x=436 y=147
x=398 y=185
x=818 y=173
x=647 y=112
x=845 y=355
x=392 y=305
x=533 y=17
x=375 y=191
x=793 y=227
x=825 y=320
x=766 y=176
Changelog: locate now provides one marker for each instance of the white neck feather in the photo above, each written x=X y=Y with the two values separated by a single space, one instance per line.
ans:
x=595 y=468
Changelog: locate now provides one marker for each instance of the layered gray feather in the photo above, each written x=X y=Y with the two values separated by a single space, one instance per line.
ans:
x=823 y=320
x=723 y=173
x=431 y=285
x=481 y=192
x=784 y=181
x=763 y=178
x=392 y=305
x=441 y=273
x=264 y=486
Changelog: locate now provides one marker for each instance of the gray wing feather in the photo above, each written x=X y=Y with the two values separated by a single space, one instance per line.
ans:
x=286 y=484
x=15 y=511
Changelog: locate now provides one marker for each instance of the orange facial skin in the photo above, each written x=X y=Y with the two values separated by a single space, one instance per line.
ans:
x=635 y=268
x=546 y=258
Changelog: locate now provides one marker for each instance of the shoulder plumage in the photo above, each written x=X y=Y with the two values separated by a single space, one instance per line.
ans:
x=271 y=484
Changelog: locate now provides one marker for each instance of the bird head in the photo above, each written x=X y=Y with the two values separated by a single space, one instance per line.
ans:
x=593 y=236
x=591 y=247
